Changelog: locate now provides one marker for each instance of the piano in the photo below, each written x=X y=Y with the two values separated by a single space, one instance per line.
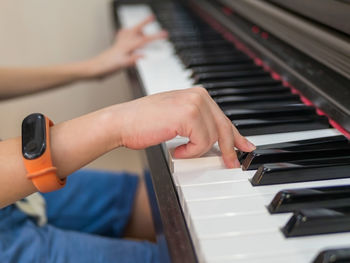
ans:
x=280 y=70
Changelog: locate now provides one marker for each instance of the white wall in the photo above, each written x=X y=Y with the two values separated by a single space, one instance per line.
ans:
x=42 y=32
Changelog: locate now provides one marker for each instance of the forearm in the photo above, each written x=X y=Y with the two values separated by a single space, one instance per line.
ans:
x=20 y=81
x=77 y=142
x=73 y=144
x=136 y=124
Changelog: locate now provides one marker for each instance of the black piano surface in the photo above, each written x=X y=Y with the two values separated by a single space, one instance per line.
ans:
x=322 y=85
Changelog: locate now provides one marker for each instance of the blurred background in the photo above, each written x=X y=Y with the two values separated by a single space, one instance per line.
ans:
x=41 y=32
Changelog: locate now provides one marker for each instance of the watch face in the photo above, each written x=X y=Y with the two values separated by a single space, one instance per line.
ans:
x=33 y=136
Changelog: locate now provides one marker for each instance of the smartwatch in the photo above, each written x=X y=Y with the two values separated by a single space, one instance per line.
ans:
x=36 y=153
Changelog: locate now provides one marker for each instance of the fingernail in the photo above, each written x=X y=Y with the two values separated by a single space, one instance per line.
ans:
x=237 y=164
x=250 y=145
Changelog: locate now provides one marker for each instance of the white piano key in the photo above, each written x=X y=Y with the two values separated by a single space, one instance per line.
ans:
x=249 y=227
x=264 y=244
x=204 y=176
x=213 y=160
x=238 y=187
x=215 y=208
x=238 y=215
x=160 y=70
x=235 y=225
x=302 y=256
x=241 y=216
x=276 y=257
x=166 y=79
x=292 y=136
x=131 y=15
x=242 y=202
x=210 y=160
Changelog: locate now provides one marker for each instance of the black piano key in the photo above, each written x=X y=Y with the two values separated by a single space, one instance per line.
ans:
x=255 y=82
x=317 y=143
x=190 y=62
x=224 y=100
x=302 y=171
x=248 y=91
x=340 y=255
x=268 y=112
x=261 y=104
x=316 y=221
x=229 y=75
x=198 y=41
x=208 y=52
x=270 y=127
x=283 y=127
x=251 y=127
x=197 y=44
x=215 y=61
x=192 y=35
x=206 y=49
x=241 y=155
x=290 y=200
x=188 y=59
x=247 y=65
x=264 y=156
x=189 y=26
x=206 y=57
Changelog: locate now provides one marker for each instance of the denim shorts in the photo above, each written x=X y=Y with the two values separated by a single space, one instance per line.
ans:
x=86 y=220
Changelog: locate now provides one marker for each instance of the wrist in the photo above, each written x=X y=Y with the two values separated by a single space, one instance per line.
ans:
x=77 y=142
x=89 y=68
x=79 y=70
x=86 y=69
x=111 y=121
x=100 y=65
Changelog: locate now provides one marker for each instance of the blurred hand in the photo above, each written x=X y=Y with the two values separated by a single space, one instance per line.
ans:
x=189 y=113
x=122 y=53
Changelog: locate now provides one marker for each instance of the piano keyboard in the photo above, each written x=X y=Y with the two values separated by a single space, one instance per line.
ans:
x=229 y=219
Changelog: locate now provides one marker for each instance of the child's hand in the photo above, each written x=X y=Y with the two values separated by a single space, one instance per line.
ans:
x=122 y=53
x=189 y=113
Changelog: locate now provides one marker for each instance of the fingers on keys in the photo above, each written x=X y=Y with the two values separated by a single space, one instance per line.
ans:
x=207 y=124
x=151 y=37
x=229 y=137
x=144 y=22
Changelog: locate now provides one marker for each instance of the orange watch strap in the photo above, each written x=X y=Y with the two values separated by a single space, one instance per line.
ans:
x=41 y=171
